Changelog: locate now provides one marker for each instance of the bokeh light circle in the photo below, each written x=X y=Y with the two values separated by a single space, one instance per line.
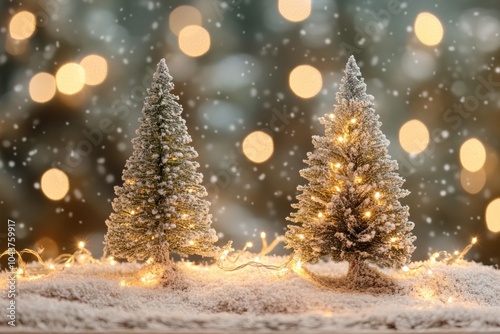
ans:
x=414 y=136
x=182 y=17
x=42 y=87
x=472 y=155
x=472 y=182
x=305 y=81
x=22 y=25
x=54 y=184
x=428 y=29
x=194 y=41
x=258 y=146
x=95 y=68
x=295 y=10
x=493 y=215
x=70 y=78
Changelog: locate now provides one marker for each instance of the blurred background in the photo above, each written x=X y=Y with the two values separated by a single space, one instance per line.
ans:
x=253 y=77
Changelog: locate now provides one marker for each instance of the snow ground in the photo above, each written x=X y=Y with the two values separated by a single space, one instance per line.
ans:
x=113 y=298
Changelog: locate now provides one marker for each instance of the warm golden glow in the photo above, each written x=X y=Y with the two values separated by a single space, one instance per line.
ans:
x=428 y=29
x=474 y=240
x=340 y=139
x=305 y=81
x=249 y=244
x=95 y=68
x=182 y=17
x=301 y=237
x=337 y=165
x=42 y=87
x=393 y=239
x=70 y=78
x=473 y=182
x=191 y=242
x=493 y=215
x=194 y=41
x=262 y=235
x=22 y=25
x=81 y=244
x=353 y=121
x=54 y=184
x=320 y=215
x=368 y=214
x=377 y=195
x=14 y=46
x=258 y=146
x=472 y=155
x=405 y=269
x=414 y=136
x=295 y=10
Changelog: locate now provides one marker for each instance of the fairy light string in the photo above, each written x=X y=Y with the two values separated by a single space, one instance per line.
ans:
x=81 y=255
x=227 y=261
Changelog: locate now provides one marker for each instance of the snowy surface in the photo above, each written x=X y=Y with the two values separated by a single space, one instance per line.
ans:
x=105 y=297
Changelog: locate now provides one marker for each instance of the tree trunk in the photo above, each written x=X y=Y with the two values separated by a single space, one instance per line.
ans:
x=357 y=270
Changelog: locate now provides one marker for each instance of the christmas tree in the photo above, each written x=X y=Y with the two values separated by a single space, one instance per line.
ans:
x=350 y=209
x=160 y=206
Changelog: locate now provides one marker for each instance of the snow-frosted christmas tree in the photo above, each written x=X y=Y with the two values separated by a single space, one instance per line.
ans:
x=160 y=206
x=350 y=209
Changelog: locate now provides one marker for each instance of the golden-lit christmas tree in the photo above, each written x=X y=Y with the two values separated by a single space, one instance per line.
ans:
x=350 y=209
x=160 y=207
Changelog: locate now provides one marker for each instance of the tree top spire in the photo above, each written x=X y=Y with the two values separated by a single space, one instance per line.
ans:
x=162 y=74
x=352 y=86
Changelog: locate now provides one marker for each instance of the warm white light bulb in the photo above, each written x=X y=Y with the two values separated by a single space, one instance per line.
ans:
x=191 y=242
x=262 y=235
x=337 y=165
x=368 y=214
x=81 y=244
x=320 y=215
x=474 y=240
x=353 y=120
x=249 y=244
x=405 y=269
x=377 y=195
x=341 y=139
x=393 y=239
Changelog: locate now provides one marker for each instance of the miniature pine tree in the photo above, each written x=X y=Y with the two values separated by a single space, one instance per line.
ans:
x=350 y=209
x=160 y=206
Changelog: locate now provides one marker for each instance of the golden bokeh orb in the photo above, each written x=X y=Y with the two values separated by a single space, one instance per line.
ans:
x=42 y=87
x=258 y=146
x=428 y=29
x=305 y=81
x=182 y=17
x=70 y=78
x=493 y=215
x=95 y=68
x=295 y=10
x=472 y=182
x=194 y=41
x=414 y=136
x=54 y=184
x=472 y=155
x=22 y=25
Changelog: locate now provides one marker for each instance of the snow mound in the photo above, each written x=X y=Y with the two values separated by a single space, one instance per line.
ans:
x=205 y=298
